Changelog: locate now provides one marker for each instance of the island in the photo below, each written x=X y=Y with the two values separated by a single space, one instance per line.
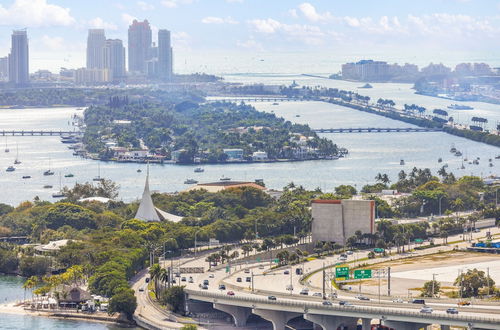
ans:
x=184 y=128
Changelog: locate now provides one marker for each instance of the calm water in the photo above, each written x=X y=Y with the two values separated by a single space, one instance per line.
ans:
x=11 y=290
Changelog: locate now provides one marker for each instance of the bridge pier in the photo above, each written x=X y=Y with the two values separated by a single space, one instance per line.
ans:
x=445 y=327
x=367 y=324
x=400 y=325
x=277 y=318
x=240 y=314
x=328 y=322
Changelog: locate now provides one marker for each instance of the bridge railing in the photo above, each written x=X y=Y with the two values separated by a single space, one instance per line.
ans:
x=361 y=309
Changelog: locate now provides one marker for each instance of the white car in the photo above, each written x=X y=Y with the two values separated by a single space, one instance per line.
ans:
x=349 y=252
x=211 y=276
x=398 y=300
x=426 y=310
x=317 y=294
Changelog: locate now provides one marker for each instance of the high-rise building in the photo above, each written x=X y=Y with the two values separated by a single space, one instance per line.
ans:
x=96 y=41
x=19 y=58
x=139 y=46
x=4 y=68
x=164 y=55
x=114 y=59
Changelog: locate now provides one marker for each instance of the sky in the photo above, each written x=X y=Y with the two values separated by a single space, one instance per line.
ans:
x=208 y=34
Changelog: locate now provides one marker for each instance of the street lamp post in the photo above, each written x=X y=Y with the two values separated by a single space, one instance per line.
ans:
x=195 y=241
x=256 y=233
x=440 y=198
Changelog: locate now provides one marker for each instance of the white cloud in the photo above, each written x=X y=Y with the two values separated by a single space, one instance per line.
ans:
x=293 y=13
x=250 y=44
x=145 y=6
x=181 y=40
x=35 y=13
x=308 y=34
x=175 y=3
x=218 y=20
x=127 y=18
x=53 y=43
x=310 y=13
x=99 y=23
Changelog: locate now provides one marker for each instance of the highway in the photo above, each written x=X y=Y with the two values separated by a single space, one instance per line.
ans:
x=275 y=282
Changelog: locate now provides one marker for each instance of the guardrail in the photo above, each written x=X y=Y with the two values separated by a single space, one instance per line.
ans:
x=306 y=306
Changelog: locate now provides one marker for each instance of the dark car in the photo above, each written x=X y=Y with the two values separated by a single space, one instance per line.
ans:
x=147 y=279
x=238 y=279
x=418 y=301
x=286 y=272
x=452 y=311
x=298 y=271
x=327 y=303
x=205 y=282
x=271 y=297
x=222 y=287
x=204 y=287
x=248 y=279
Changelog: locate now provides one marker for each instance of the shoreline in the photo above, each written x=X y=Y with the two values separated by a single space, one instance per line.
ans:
x=15 y=309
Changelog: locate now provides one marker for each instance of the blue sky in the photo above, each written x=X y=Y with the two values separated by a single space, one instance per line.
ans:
x=383 y=28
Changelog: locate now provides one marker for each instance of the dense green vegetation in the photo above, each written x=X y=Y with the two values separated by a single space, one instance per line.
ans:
x=201 y=130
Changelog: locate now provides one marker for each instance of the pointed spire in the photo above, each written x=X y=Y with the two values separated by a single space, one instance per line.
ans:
x=146 y=211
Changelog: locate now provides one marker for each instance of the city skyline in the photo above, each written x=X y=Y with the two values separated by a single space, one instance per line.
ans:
x=447 y=27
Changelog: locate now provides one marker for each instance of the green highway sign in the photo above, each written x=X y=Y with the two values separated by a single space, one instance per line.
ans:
x=342 y=272
x=276 y=261
x=258 y=259
x=419 y=240
x=378 y=250
x=227 y=269
x=362 y=273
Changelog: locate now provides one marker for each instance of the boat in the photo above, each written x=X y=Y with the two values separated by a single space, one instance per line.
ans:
x=10 y=169
x=60 y=193
x=26 y=176
x=190 y=181
x=453 y=149
x=440 y=160
x=17 y=161
x=445 y=165
x=297 y=115
x=48 y=172
x=98 y=177
x=47 y=186
x=224 y=178
x=276 y=103
x=463 y=166
x=199 y=170
x=458 y=153
x=475 y=162
x=69 y=175
x=6 y=147
x=402 y=162
x=460 y=107
x=139 y=170
x=366 y=86
x=497 y=157
x=491 y=165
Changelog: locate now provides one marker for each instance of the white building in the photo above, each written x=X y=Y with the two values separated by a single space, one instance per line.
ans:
x=259 y=156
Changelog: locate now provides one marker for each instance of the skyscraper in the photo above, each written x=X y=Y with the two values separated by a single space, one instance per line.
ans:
x=114 y=59
x=96 y=41
x=139 y=46
x=164 y=55
x=19 y=58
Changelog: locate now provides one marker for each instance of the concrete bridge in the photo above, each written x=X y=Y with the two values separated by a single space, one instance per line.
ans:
x=38 y=132
x=257 y=99
x=334 y=317
x=375 y=130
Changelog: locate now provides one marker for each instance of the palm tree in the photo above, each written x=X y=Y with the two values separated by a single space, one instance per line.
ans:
x=154 y=273
x=29 y=284
x=164 y=277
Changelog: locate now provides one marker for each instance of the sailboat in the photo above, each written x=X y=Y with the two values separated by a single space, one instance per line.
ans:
x=60 y=193
x=98 y=177
x=48 y=172
x=6 y=147
x=17 y=161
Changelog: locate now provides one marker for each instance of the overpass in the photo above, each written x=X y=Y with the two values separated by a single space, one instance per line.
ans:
x=279 y=312
x=376 y=130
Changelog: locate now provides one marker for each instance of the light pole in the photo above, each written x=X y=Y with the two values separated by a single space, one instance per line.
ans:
x=433 y=281
x=256 y=233
x=195 y=241
x=440 y=198
x=496 y=197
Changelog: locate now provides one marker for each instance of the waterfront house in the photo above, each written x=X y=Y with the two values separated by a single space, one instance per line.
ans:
x=259 y=156
x=234 y=155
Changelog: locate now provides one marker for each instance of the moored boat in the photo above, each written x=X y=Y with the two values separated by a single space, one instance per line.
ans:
x=190 y=181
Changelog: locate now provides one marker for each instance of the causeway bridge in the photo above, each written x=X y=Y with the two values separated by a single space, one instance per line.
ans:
x=280 y=312
x=376 y=130
x=26 y=132
x=257 y=99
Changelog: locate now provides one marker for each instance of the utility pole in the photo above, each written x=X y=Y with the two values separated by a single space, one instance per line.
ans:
x=324 y=279
x=291 y=285
x=379 y=273
x=389 y=281
x=252 y=282
x=433 y=281
x=488 y=279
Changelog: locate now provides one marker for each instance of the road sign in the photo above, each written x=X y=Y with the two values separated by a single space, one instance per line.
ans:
x=342 y=272
x=378 y=250
x=227 y=269
x=362 y=273
x=276 y=261
x=419 y=240
x=258 y=259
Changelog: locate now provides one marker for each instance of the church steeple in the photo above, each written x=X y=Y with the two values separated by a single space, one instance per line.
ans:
x=146 y=211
